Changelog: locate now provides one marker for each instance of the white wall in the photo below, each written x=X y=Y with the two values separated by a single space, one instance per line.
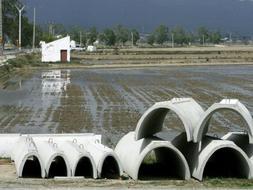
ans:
x=51 y=52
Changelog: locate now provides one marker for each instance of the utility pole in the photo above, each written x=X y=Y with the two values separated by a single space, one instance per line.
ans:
x=203 y=40
x=1 y=29
x=34 y=27
x=81 y=37
x=20 y=26
x=132 y=34
x=172 y=40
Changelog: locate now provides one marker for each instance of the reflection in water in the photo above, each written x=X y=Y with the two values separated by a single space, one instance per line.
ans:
x=55 y=82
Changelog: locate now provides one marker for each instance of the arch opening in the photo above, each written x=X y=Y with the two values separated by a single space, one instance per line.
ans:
x=222 y=121
x=58 y=168
x=32 y=168
x=84 y=168
x=226 y=163
x=160 y=164
x=161 y=119
x=110 y=169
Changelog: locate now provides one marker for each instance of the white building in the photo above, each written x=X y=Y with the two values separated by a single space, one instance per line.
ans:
x=91 y=49
x=56 y=51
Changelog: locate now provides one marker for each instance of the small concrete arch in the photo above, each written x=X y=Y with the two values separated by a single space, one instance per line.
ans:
x=58 y=166
x=187 y=110
x=222 y=158
x=132 y=153
x=231 y=105
x=31 y=167
x=85 y=167
x=109 y=167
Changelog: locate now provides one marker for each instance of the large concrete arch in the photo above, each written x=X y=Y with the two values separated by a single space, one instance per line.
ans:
x=226 y=104
x=241 y=139
x=187 y=109
x=210 y=148
x=132 y=153
x=101 y=154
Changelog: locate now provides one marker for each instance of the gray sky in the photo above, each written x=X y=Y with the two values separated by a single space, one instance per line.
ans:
x=226 y=15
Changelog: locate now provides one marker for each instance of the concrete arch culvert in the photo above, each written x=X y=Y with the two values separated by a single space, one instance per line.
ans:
x=187 y=109
x=32 y=167
x=232 y=105
x=54 y=160
x=168 y=162
x=57 y=167
x=220 y=158
x=110 y=168
x=28 y=163
x=84 y=168
x=107 y=162
x=81 y=162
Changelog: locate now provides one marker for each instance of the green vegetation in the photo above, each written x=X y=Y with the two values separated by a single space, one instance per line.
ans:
x=25 y=60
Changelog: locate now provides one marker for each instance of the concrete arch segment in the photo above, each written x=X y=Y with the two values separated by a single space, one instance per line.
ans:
x=75 y=153
x=226 y=104
x=242 y=140
x=100 y=155
x=132 y=153
x=28 y=163
x=49 y=152
x=211 y=147
x=187 y=109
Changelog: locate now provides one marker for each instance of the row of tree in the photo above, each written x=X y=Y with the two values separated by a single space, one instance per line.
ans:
x=178 y=35
x=117 y=35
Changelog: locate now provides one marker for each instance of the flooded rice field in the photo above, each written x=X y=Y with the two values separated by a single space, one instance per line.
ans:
x=110 y=101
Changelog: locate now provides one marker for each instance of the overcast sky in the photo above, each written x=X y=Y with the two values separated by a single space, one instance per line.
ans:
x=226 y=15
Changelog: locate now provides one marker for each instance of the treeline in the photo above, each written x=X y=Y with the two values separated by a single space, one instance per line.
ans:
x=117 y=35
x=179 y=35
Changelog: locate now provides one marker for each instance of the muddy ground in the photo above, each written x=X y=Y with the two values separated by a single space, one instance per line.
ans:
x=111 y=101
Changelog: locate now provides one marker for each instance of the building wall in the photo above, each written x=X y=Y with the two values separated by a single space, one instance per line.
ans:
x=51 y=52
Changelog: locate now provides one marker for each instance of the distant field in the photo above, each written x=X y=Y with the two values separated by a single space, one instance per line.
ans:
x=177 y=56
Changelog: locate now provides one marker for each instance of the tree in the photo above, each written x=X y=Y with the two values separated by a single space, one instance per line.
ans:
x=122 y=34
x=203 y=33
x=215 y=37
x=151 y=39
x=78 y=34
x=92 y=35
x=180 y=36
x=10 y=23
x=161 y=34
x=109 y=37
x=136 y=36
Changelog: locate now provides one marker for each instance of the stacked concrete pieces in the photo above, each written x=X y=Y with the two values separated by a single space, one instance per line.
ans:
x=191 y=153
x=62 y=155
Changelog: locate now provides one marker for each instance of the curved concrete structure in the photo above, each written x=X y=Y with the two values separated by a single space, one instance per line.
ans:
x=107 y=162
x=132 y=153
x=81 y=162
x=27 y=160
x=221 y=158
x=188 y=111
x=7 y=143
x=226 y=104
x=54 y=160
x=242 y=140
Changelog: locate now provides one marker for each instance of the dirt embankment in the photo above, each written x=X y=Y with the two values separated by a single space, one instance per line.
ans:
x=176 y=56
